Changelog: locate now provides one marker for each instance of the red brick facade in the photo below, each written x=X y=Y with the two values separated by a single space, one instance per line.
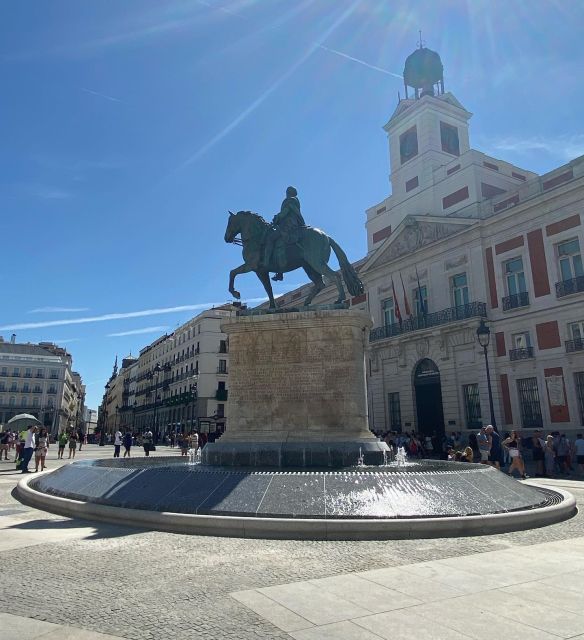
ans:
x=548 y=335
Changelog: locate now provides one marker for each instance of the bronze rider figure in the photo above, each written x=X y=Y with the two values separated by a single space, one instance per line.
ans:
x=287 y=225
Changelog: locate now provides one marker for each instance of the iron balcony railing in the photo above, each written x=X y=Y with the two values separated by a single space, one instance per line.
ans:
x=516 y=300
x=418 y=323
x=577 y=344
x=521 y=354
x=568 y=287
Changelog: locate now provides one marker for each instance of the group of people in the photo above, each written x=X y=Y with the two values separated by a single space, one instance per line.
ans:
x=556 y=454
x=33 y=441
x=129 y=439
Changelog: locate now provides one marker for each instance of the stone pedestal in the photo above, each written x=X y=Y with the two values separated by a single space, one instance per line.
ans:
x=297 y=393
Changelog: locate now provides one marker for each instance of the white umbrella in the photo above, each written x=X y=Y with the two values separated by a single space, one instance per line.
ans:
x=22 y=421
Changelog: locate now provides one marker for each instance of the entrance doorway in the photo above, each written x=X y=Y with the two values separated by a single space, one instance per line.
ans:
x=428 y=393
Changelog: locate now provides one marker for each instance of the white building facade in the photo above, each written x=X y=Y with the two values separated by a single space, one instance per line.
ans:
x=465 y=237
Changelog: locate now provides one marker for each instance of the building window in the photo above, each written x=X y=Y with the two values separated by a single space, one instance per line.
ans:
x=28 y=373
x=514 y=276
x=222 y=366
x=4 y=371
x=472 y=403
x=16 y=372
x=529 y=402
x=222 y=346
x=579 y=380
x=576 y=330
x=420 y=296
x=459 y=289
x=394 y=411
x=220 y=411
x=521 y=340
x=54 y=374
x=388 y=311
x=13 y=387
x=408 y=144
x=2 y=386
x=449 y=139
x=23 y=401
x=12 y=401
x=35 y=402
x=570 y=260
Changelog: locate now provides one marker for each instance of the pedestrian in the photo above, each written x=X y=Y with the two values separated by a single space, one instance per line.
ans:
x=472 y=443
x=562 y=454
x=183 y=444
x=72 y=444
x=579 y=452
x=484 y=445
x=513 y=446
x=40 y=452
x=496 y=451
x=549 y=456
x=62 y=440
x=117 y=443
x=127 y=443
x=538 y=453
x=81 y=437
x=467 y=455
x=4 y=437
x=28 y=449
x=147 y=442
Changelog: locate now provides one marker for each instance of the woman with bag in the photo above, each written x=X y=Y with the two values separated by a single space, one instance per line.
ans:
x=513 y=444
x=41 y=449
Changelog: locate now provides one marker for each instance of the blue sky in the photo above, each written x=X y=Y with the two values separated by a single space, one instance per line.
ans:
x=130 y=128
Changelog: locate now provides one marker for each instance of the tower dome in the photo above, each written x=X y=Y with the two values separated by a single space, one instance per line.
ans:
x=423 y=71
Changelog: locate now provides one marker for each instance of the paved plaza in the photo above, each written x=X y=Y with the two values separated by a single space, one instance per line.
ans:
x=65 y=579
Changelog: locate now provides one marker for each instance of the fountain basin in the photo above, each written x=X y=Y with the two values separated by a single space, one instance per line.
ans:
x=424 y=499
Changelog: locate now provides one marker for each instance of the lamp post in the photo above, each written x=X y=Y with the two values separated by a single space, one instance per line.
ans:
x=484 y=337
x=157 y=369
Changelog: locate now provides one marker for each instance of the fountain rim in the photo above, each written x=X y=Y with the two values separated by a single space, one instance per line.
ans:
x=303 y=528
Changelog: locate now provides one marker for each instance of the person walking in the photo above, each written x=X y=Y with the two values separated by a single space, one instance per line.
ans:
x=28 y=449
x=62 y=442
x=513 y=446
x=496 y=451
x=550 y=456
x=484 y=445
x=147 y=442
x=4 y=437
x=42 y=447
x=117 y=443
x=538 y=453
x=127 y=441
x=72 y=444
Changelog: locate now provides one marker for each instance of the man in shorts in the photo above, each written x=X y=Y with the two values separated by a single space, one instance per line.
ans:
x=484 y=445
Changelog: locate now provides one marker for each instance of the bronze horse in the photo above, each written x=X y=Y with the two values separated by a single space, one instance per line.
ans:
x=311 y=253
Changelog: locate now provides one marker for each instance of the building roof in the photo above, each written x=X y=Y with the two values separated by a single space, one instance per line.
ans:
x=24 y=349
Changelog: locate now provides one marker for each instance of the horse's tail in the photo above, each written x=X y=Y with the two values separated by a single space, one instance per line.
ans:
x=354 y=284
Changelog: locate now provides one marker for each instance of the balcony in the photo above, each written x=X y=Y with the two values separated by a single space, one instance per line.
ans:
x=577 y=344
x=516 y=301
x=521 y=354
x=568 y=287
x=40 y=375
x=438 y=318
x=221 y=394
x=52 y=392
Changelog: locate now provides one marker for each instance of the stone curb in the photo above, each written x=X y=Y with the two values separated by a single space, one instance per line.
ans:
x=297 y=528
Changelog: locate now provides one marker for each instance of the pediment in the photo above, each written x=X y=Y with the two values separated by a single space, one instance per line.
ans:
x=414 y=233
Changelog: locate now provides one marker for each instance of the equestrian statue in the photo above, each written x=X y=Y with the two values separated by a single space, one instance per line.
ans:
x=285 y=245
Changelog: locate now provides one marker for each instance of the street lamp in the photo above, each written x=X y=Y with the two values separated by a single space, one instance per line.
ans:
x=484 y=337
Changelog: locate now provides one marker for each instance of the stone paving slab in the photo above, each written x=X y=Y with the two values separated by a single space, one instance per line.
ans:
x=19 y=628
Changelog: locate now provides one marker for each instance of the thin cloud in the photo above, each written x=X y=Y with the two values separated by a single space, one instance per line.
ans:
x=135 y=332
x=101 y=95
x=565 y=147
x=119 y=316
x=58 y=309
x=53 y=193
x=365 y=64
x=268 y=92
x=67 y=341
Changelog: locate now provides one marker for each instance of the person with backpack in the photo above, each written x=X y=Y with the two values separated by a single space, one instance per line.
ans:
x=127 y=443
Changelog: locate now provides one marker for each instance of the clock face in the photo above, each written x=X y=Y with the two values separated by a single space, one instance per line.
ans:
x=408 y=144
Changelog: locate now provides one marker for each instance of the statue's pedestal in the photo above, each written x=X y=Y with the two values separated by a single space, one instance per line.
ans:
x=297 y=393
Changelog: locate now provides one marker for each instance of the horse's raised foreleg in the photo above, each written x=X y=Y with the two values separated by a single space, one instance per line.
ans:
x=264 y=278
x=244 y=268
